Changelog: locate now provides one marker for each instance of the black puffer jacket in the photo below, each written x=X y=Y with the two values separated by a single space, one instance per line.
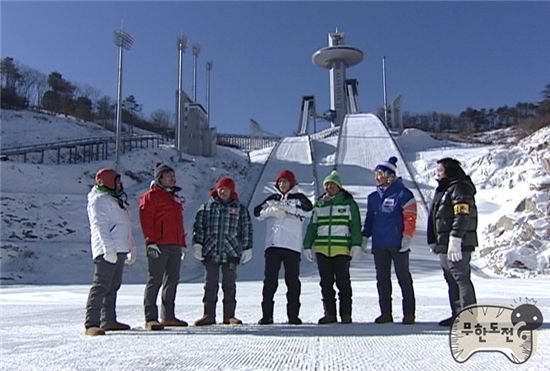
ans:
x=453 y=213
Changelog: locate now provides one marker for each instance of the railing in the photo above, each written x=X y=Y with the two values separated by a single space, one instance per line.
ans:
x=100 y=148
x=247 y=142
x=81 y=150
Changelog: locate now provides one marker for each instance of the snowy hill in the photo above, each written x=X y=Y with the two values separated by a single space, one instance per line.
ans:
x=513 y=197
x=46 y=266
x=43 y=205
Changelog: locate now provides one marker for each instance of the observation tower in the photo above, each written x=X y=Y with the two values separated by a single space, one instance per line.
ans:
x=336 y=58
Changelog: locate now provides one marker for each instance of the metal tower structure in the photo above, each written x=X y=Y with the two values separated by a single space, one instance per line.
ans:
x=336 y=58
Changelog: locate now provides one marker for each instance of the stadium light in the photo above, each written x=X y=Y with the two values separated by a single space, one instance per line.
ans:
x=123 y=40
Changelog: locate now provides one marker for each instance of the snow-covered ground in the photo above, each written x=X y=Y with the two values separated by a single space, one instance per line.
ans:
x=46 y=266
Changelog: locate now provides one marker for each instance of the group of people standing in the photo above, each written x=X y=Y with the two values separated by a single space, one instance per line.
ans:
x=334 y=236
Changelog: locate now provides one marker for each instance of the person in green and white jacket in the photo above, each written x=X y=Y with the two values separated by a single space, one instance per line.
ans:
x=334 y=234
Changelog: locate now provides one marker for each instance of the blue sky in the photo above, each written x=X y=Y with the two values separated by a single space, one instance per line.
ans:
x=441 y=56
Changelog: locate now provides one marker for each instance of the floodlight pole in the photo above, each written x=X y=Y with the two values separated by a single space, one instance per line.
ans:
x=385 y=91
x=196 y=52
x=209 y=66
x=182 y=45
x=124 y=41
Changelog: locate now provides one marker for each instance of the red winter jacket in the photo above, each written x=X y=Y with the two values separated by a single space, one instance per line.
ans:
x=161 y=217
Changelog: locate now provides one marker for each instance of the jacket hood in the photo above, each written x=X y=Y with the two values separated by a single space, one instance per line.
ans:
x=466 y=180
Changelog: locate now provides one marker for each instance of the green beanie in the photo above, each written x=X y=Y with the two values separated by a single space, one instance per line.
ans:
x=334 y=177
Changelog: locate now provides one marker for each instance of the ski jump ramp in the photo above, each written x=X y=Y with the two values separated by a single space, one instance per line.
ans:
x=364 y=143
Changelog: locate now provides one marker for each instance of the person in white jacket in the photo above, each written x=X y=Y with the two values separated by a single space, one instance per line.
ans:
x=285 y=211
x=112 y=244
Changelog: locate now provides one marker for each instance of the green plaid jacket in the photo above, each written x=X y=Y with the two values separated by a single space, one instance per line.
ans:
x=223 y=229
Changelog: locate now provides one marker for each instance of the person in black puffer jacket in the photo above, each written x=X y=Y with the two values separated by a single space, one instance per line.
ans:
x=452 y=226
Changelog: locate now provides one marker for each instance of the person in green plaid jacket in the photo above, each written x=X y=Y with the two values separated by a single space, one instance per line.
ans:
x=222 y=238
x=334 y=234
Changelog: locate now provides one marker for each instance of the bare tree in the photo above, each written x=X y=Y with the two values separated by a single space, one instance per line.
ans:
x=33 y=85
x=90 y=92
x=161 y=118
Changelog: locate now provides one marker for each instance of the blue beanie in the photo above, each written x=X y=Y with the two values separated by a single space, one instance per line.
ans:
x=389 y=166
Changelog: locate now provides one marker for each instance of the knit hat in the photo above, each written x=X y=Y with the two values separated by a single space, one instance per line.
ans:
x=288 y=175
x=106 y=178
x=389 y=166
x=225 y=182
x=333 y=177
x=160 y=169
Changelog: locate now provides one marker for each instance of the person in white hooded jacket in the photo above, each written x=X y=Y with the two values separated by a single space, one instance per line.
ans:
x=112 y=244
x=284 y=212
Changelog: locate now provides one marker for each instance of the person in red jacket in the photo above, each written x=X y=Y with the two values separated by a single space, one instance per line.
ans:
x=161 y=218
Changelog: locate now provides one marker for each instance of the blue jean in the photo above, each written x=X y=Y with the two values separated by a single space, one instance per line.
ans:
x=211 y=287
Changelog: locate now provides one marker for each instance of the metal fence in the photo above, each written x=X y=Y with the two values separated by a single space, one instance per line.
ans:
x=80 y=150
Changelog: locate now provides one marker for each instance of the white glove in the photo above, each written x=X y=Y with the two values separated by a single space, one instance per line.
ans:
x=405 y=244
x=356 y=253
x=131 y=256
x=246 y=256
x=275 y=211
x=308 y=253
x=365 y=245
x=432 y=247
x=454 y=253
x=183 y=249
x=110 y=256
x=198 y=251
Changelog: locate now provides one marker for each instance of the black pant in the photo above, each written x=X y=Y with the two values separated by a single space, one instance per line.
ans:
x=457 y=275
x=163 y=271
x=100 y=308
x=382 y=262
x=331 y=270
x=211 y=287
x=274 y=256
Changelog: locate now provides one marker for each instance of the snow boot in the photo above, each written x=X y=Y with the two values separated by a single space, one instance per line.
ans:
x=327 y=319
x=265 y=321
x=232 y=321
x=408 y=319
x=294 y=321
x=267 y=313
x=153 y=326
x=384 y=318
x=447 y=322
x=115 y=326
x=94 y=331
x=292 y=310
x=346 y=318
x=173 y=323
x=206 y=320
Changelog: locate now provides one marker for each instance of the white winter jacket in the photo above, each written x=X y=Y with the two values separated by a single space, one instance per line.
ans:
x=285 y=215
x=110 y=226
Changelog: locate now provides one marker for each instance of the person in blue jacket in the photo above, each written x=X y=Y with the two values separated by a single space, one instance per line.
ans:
x=391 y=222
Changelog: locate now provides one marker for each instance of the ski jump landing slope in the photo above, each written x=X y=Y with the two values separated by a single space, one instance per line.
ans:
x=364 y=143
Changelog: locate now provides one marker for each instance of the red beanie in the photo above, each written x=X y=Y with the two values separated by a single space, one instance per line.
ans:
x=225 y=182
x=288 y=175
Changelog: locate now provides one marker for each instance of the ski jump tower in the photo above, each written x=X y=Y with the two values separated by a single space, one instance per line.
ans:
x=336 y=58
